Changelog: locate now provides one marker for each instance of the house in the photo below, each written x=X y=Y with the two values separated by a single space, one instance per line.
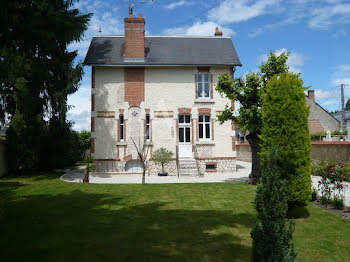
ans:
x=320 y=120
x=160 y=91
x=338 y=116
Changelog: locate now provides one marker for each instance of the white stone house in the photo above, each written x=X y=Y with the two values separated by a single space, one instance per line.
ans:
x=160 y=91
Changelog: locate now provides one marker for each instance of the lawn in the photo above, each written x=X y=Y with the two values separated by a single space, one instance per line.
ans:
x=45 y=219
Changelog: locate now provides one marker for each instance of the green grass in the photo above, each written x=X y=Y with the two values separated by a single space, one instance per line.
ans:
x=45 y=219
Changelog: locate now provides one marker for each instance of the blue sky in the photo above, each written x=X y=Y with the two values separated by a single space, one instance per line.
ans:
x=315 y=32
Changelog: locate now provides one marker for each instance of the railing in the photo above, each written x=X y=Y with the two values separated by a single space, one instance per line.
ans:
x=196 y=158
x=177 y=161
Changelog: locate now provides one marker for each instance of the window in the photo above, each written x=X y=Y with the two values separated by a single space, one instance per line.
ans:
x=203 y=87
x=210 y=167
x=121 y=127
x=204 y=127
x=147 y=133
x=184 y=128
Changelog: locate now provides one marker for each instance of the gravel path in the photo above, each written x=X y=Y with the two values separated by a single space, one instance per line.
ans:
x=241 y=175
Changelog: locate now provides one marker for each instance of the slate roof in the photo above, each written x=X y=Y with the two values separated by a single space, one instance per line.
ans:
x=109 y=50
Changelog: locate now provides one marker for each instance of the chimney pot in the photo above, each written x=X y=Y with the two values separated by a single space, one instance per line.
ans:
x=139 y=16
x=311 y=95
x=217 y=32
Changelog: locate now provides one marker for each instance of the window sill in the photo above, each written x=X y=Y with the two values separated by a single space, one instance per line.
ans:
x=204 y=100
x=149 y=143
x=205 y=142
x=121 y=143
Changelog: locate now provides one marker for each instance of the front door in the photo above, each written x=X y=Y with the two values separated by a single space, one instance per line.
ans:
x=185 y=146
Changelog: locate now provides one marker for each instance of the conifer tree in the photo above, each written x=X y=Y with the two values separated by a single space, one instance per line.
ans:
x=271 y=237
x=285 y=124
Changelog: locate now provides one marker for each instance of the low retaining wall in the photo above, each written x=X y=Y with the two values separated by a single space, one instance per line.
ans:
x=336 y=151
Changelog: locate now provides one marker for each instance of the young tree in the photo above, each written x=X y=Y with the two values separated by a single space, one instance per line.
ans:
x=285 y=124
x=37 y=73
x=347 y=105
x=162 y=156
x=249 y=94
x=271 y=238
x=142 y=155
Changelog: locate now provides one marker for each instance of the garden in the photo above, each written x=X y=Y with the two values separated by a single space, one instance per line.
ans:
x=45 y=218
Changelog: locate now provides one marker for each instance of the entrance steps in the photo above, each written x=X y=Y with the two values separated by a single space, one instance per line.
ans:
x=188 y=167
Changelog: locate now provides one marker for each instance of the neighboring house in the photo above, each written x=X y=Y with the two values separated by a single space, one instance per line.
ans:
x=161 y=90
x=338 y=116
x=319 y=118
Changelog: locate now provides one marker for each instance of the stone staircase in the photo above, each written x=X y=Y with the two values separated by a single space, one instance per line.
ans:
x=188 y=167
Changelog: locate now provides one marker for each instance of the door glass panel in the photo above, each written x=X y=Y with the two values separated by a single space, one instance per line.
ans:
x=187 y=119
x=188 y=134
x=181 y=134
x=181 y=118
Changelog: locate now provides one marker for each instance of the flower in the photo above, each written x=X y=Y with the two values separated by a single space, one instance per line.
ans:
x=340 y=163
x=328 y=174
x=338 y=186
x=319 y=182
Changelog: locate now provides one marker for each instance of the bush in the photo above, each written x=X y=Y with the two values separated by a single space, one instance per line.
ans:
x=162 y=156
x=314 y=194
x=338 y=203
x=271 y=237
x=317 y=136
x=285 y=124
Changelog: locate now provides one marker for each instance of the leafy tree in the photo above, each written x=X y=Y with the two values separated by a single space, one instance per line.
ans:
x=162 y=156
x=347 y=105
x=271 y=237
x=37 y=73
x=285 y=124
x=84 y=142
x=249 y=94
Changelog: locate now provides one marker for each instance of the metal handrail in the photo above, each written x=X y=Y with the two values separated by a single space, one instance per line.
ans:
x=177 y=161
x=196 y=158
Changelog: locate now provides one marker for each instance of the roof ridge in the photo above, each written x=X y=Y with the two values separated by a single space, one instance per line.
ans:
x=172 y=36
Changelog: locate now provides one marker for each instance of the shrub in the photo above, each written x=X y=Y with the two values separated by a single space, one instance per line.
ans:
x=162 y=156
x=314 y=194
x=271 y=237
x=317 y=136
x=338 y=203
x=285 y=124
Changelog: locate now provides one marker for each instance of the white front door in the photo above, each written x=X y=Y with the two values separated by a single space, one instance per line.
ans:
x=185 y=145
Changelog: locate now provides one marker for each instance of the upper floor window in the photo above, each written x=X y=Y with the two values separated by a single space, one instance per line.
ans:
x=147 y=133
x=203 y=85
x=204 y=127
x=121 y=128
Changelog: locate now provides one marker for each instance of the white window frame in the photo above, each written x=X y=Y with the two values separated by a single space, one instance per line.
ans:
x=204 y=123
x=148 y=139
x=121 y=128
x=202 y=85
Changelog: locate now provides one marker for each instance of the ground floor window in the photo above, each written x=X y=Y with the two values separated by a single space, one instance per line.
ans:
x=204 y=127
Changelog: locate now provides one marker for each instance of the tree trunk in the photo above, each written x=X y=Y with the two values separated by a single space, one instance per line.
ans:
x=143 y=172
x=255 y=175
x=162 y=167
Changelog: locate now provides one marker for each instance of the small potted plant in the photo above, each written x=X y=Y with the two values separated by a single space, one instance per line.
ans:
x=162 y=156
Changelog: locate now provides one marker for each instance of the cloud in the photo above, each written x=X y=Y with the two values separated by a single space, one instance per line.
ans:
x=295 y=60
x=199 y=28
x=325 y=94
x=241 y=10
x=175 y=5
x=323 y=17
x=342 y=80
x=344 y=67
x=81 y=120
x=104 y=17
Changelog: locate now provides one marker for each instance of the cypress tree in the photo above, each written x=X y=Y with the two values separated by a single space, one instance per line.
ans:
x=271 y=237
x=285 y=124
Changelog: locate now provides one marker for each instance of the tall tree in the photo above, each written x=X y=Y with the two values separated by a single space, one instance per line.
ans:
x=347 y=105
x=37 y=73
x=249 y=94
x=271 y=237
x=285 y=125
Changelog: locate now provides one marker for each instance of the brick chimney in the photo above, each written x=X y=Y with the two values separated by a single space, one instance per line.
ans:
x=311 y=95
x=134 y=42
x=217 y=32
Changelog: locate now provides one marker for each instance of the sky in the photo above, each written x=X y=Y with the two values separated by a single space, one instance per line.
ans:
x=315 y=32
